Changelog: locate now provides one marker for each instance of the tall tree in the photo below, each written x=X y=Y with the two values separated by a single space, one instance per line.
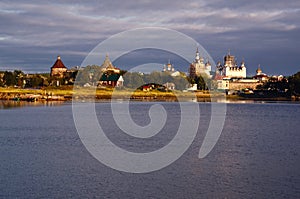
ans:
x=9 y=78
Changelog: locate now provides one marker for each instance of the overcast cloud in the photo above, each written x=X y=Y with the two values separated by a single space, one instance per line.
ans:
x=33 y=32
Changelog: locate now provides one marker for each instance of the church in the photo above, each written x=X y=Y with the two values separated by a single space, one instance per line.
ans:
x=111 y=76
x=199 y=67
x=230 y=69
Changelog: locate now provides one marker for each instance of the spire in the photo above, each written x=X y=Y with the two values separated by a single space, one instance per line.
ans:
x=243 y=62
x=258 y=71
x=228 y=51
x=107 y=63
x=207 y=60
x=197 y=55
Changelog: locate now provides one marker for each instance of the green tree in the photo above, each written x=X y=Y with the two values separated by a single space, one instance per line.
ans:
x=201 y=83
x=180 y=82
x=9 y=78
x=154 y=77
x=276 y=85
x=90 y=74
x=35 y=82
x=133 y=80
x=294 y=83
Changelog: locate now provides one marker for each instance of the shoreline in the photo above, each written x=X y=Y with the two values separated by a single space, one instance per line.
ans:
x=68 y=94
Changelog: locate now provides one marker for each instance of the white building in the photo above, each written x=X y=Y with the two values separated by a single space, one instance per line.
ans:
x=260 y=75
x=171 y=70
x=168 y=67
x=231 y=69
x=199 y=67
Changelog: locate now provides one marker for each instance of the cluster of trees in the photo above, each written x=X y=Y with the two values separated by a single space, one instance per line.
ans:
x=92 y=73
x=18 y=78
x=11 y=78
x=203 y=82
x=135 y=79
x=290 y=85
x=294 y=84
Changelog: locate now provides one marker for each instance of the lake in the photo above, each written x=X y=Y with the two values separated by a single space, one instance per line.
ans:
x=256 y=156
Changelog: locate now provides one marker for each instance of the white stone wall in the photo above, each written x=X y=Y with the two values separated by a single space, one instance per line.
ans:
x=235 y=72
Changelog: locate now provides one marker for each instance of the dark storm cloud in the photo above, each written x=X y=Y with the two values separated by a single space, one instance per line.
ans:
x=264 y=32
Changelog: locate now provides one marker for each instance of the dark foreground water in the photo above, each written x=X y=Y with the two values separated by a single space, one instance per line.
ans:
x=257 y=155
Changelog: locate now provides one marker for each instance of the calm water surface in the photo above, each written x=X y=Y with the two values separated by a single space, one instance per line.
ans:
x=257 y=155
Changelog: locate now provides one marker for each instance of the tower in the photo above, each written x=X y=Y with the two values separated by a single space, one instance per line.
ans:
x=58 y=69
x=231 y=69
x=199 y=67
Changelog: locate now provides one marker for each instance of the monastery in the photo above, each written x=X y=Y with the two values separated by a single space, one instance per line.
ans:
x=230 y=76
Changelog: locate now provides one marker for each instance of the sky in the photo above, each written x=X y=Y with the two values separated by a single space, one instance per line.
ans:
x=265 y=33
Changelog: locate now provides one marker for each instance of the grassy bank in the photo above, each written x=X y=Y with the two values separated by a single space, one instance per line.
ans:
x=103 y=93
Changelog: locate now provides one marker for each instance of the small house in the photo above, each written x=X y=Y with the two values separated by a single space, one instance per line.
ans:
x=111 y=80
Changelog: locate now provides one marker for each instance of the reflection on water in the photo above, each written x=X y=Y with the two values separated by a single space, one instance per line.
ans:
x=224 y=100
x=7 y=104
x=256 y=156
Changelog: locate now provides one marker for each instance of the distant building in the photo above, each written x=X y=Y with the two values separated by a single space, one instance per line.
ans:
x=260 y=75
x=111 y=80
x=169 y=86
x=199 y=67
x=231 y=83
x=111 y=75
x=58 y=69
x=232 y=70
x=108 y=67
x=230 y=76
x=238 y=84
x=168 y=67
x=192 y=87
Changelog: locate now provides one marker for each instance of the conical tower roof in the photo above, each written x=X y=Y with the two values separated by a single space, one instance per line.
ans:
x=107 y=63
x=58 y=63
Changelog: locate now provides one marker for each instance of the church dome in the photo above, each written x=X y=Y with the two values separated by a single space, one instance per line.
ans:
x=258 y=71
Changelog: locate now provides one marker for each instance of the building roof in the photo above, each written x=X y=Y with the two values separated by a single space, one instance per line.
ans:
x=112 y=77
x=258 y=71
x=58 y=63
x=107 y=63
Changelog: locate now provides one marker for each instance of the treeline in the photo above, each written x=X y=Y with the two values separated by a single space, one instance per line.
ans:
x=92 y=73
x=135 y=79
x=11 y=78
x=20 y=79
